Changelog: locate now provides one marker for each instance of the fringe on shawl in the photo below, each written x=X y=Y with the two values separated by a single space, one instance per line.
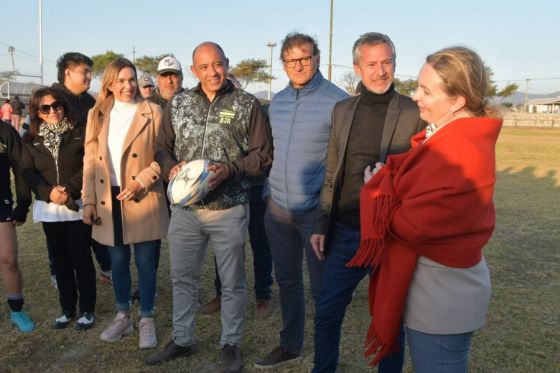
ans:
x=374 y=345
x=374 y=223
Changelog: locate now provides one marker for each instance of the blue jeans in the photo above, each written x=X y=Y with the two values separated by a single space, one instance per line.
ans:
x=262 y=259
x=436 y=353
x=339 y=283
x=288 y=236
x=144 y=256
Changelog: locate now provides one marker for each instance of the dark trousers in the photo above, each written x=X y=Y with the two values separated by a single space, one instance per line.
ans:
x=288 y=235
x=262 y=259
x=69 y=242
x=101 y=255
x=339 y=283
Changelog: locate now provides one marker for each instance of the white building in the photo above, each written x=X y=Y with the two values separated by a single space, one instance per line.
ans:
x=544 y=105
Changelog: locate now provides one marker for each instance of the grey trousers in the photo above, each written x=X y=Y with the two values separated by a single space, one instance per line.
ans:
x=190 y=231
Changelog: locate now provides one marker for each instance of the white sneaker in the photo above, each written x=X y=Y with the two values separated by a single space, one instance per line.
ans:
x=121 y=325
x=148 y=338
x=106 y=277
x=53 y=282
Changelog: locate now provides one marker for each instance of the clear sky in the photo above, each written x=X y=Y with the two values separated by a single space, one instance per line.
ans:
x=518 y=39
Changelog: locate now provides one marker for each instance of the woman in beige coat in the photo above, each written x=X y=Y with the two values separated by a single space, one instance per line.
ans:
x=123 y=194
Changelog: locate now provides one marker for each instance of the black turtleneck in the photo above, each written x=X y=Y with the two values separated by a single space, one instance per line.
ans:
x=362 y=150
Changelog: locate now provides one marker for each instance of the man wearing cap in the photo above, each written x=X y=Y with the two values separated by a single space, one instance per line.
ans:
x=147 y=86
x=227 y=126
x=169 y=81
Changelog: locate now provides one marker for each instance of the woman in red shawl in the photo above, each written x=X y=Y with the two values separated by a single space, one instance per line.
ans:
x=427 y=214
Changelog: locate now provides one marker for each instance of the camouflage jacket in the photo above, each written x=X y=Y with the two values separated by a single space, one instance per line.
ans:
x=232 y=129
x=156 y=98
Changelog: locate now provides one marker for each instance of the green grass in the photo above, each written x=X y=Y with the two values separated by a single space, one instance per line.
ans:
x=521 y=335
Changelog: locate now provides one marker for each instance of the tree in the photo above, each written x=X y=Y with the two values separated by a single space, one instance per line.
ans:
x=148 y=64
x=508 y=90
x=100 y=61
x=492 y=88
x=251 y=70
x=349 y=82
x=9 y=76
x=405 y=87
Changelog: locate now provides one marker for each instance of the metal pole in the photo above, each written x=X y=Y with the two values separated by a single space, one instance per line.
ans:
x=271 y=45
x=12 y=50
x=526 y=94
x=41 y=40
x=330 y=43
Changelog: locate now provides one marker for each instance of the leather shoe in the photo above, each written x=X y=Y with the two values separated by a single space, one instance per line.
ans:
x=170 y=352
x=213 y=306
x=262 y=309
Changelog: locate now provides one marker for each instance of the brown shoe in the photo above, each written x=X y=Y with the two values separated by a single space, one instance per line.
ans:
x=262 y=309
x=211 y=307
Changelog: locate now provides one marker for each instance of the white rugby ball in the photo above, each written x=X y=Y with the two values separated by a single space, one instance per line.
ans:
x=190 y=185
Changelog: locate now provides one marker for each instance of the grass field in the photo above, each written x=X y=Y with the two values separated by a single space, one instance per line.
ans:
x=522 y=332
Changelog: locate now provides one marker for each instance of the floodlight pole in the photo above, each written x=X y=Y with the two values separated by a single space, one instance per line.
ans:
x=271 y=45
x=41 y=40
x=330 y=43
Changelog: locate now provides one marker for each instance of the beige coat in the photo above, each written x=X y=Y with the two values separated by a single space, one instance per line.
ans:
x=145 y=218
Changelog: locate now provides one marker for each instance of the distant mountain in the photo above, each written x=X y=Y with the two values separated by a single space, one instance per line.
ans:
x=519 y=97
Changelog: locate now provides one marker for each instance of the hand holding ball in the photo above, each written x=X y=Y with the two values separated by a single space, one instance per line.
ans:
x=190 y=185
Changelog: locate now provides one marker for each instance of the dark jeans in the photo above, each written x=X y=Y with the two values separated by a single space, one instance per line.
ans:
x=288 y=235
x=262 y=259
x=339 y=283
x=69 y=242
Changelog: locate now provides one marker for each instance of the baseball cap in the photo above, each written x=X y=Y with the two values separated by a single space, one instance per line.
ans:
x=169 y=64
x=145 y=81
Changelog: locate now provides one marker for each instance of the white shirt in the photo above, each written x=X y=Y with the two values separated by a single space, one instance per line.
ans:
x=119 y=123
x=51 y=212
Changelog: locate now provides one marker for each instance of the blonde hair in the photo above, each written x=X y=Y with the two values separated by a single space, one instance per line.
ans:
x=464 y=74
x=110 y=75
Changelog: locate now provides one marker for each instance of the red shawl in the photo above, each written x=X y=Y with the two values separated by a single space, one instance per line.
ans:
x=434 y=201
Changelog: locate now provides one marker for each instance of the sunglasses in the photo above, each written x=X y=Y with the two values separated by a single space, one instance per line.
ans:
x=46 y=109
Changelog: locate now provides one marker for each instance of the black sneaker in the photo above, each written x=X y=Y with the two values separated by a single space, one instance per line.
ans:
x=278 y=357
x=169 y=352
x=63 y=320
x=231 y=359
x=86 y=321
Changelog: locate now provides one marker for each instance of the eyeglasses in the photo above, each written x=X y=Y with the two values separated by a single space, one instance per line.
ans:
x=304 y=61
x=46 y=109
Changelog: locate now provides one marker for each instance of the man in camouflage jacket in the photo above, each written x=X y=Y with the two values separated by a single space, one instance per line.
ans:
x=227 y=126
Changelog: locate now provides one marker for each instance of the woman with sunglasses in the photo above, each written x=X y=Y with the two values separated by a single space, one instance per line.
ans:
x=123 y=193
x=52 y=160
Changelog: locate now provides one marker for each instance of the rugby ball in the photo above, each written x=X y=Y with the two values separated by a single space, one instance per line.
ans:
x=190 y=185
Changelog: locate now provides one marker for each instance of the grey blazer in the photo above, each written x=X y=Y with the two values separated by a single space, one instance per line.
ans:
x=401 y=123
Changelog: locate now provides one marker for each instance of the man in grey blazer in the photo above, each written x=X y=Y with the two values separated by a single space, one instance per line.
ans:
x=365 y=129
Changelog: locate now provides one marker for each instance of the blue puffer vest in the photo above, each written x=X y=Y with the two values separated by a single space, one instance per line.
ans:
x=301 y=122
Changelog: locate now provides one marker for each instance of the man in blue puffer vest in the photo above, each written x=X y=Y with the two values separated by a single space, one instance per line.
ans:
x=300 y=118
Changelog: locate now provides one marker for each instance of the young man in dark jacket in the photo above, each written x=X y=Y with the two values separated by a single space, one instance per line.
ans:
x=74 y=79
